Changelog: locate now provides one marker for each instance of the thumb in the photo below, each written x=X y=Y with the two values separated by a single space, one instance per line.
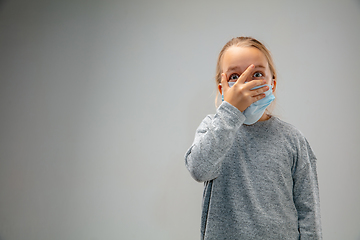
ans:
x=224 y=83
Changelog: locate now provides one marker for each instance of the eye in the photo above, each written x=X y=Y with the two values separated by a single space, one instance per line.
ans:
x=234 y=76
x=258 y=74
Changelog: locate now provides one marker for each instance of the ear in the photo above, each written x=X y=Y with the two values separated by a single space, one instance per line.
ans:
x=220 y=88
x=273 y=84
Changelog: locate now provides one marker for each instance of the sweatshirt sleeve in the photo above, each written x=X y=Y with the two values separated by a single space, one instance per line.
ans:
x=306 y=194
x=213 y=138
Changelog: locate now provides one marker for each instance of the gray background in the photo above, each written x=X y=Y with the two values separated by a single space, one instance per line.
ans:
x=99 y=100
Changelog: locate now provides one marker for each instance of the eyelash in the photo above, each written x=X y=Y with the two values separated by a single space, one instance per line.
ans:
x=235 y=74
x=262 y=75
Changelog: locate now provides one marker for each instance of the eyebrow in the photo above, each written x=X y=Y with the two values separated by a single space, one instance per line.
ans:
x=236 y=67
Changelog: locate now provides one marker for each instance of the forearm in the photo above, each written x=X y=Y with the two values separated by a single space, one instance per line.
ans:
x=213 y=139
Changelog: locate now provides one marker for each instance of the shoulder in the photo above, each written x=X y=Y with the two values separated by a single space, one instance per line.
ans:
x=297 y=143
x=287 y=128
x=295 y=136
x=290 y=134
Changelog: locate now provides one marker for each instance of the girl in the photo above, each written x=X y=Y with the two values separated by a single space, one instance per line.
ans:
x=259 y=172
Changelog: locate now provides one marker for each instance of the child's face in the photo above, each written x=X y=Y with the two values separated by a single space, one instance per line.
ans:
x=237 y=59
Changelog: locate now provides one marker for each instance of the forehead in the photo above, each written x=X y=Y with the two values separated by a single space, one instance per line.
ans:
x=242 y=57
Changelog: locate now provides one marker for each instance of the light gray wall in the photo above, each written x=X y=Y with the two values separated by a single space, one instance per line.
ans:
x=99 y=100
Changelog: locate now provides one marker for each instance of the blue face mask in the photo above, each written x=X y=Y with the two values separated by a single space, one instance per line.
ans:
x=254 y=112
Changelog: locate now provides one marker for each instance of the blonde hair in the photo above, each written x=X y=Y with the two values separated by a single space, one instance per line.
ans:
x=243 y=42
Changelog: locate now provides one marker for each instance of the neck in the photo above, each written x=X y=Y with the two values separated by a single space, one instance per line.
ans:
x=265 y=117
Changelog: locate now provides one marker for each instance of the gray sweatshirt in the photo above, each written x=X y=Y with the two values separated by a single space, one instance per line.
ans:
x=260 y=180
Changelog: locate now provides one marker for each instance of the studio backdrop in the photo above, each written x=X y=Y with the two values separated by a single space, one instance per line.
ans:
x=99 y=101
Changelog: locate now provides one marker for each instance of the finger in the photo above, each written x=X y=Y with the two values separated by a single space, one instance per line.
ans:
x=255 y=84
x=246 y=74
x=258 y=97
x=260 y=90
